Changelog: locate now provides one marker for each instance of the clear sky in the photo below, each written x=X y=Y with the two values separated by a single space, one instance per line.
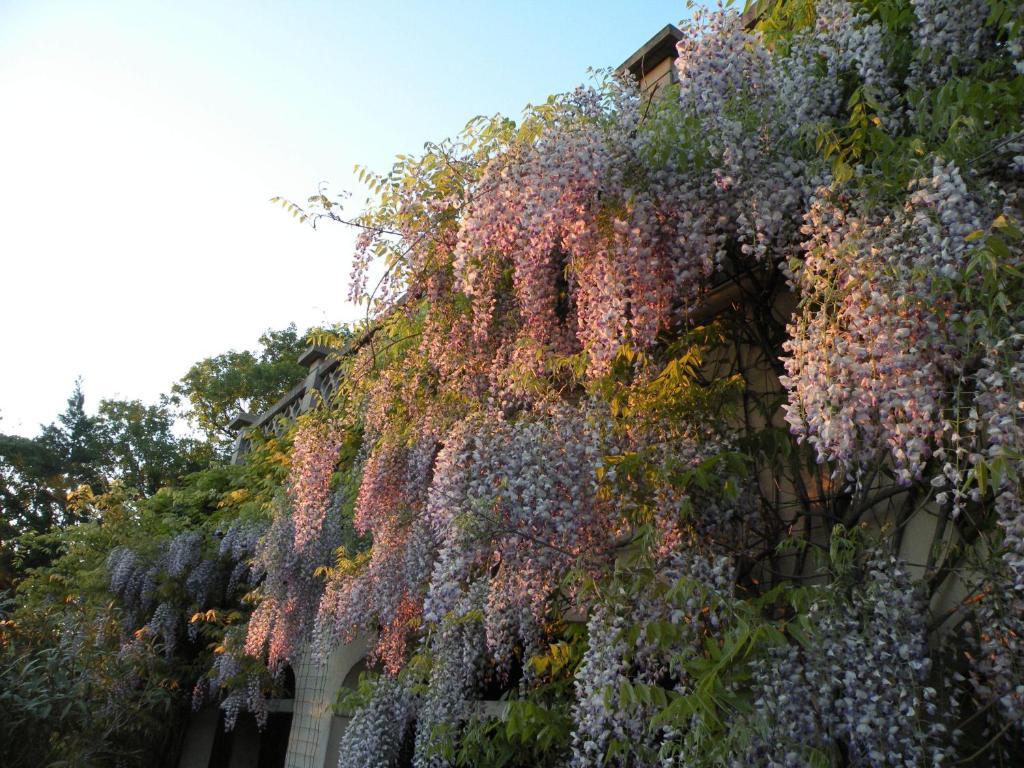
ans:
x=140 y=143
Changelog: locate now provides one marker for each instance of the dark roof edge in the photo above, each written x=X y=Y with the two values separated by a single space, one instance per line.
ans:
x=242 y=420
x=663 y=43
x=312 y=354
x=653 y=52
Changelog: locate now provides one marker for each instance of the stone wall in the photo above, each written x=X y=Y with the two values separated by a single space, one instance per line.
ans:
x=316 y=730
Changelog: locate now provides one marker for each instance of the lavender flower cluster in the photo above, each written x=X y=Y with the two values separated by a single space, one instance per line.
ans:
x=179 y=579
x=859 y=683
x=284 y=618
x=691 y=592
x=377 y=732
x=517 y=500
x=870 y=350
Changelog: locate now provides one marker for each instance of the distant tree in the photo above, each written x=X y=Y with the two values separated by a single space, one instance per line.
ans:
x=39 y=475
x=30 y=487
x=44 y=479
x=75 y=438
x=32 y=497
x=220 y=387
x=36 y=474
x=139 y=447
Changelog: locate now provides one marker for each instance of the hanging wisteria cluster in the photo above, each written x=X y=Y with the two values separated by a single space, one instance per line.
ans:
x=386 y=594
x=517 y=501
x=378 y=731
x=239 y=544
x=291 y=587
x=995 y=422
x=161 y=591
x=690 y=594
x=314 y=454
x=458 y=649
x=876 y=349
x=859 y=678
x=996 y=643
x=234 y=682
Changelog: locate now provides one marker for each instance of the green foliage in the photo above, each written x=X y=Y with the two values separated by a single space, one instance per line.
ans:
x=140 y=450
x=218 y=388
x=47 y=482
x=534 y=728
x=51 y=715
x=33 y=498
x=37 y=475
x=64 y=671
x=84 y=487
x=65 y=677
x=527 y=734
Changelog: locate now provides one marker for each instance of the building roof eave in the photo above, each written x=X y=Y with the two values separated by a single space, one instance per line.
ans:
x=653 y=52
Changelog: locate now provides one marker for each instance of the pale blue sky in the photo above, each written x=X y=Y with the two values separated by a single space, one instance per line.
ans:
x=140 y=142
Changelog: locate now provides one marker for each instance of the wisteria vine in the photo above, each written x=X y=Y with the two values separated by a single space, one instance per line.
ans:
x=762 y=526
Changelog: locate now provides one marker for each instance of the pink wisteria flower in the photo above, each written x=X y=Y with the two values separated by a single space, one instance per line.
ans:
x=314 y=456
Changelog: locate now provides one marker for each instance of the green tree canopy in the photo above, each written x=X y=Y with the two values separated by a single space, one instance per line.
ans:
x=219 y=387
x=44 y=480
x=36 y=474
x=139 y=447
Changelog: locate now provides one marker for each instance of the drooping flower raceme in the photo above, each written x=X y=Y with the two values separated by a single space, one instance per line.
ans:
x=861 y=681
x=283 y=620
x=377 y=732
x=690 y=592
x=516 y=500
x=873 y=352
x=314 y=456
